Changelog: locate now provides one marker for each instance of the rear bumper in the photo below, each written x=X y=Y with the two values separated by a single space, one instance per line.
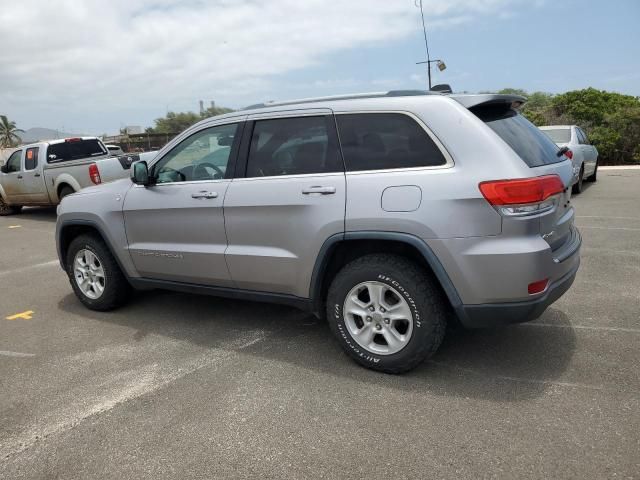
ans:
x=500 y=314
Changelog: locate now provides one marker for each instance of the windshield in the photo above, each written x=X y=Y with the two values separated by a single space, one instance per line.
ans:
x=527 y=140
x=558 y=135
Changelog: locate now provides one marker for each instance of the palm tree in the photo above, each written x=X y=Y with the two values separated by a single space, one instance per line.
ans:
x=8 y=132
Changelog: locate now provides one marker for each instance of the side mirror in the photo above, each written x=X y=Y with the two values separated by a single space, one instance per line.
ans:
x=4 y=168
x=140 y=173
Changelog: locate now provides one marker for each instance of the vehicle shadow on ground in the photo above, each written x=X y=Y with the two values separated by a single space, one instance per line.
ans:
x=509 y=364
x=37 y=214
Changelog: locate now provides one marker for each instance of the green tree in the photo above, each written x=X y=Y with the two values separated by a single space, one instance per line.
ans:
x=8 y=133
x=177 y=122
x=611 y=120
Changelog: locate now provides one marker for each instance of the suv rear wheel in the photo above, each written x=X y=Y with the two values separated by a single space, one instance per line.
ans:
x=95 y=275
x=387 y=313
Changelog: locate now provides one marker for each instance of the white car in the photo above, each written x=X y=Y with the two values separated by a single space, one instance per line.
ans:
x=583 y=155
x=114 y=150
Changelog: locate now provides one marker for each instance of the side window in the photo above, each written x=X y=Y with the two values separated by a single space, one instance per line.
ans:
x=585 y=139
x=31 y=158
x=376 y=141
x=293 y=146
x=202 y=156
x=74 y=149
x=13 y=163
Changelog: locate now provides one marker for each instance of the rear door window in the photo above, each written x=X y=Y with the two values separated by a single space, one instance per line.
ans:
x=31 y=158
x=583 y=137
x=74 y=150
x=293 y=146
x=532 y=146
x=378 y=141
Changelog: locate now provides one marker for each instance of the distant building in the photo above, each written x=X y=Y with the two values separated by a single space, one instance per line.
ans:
x=133 y=129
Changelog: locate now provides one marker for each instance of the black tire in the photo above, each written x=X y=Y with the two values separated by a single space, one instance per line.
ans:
x=116 y=287
x=594 y=176
x=6 y=210
x=422 y=294
x=64 y=191
x=577 y=187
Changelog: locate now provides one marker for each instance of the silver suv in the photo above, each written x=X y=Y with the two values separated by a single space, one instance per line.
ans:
x=392 y=214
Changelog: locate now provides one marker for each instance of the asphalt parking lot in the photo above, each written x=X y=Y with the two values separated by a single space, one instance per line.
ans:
x=182 y=386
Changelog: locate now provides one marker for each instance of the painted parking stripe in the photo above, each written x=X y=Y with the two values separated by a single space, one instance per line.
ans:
x=6 y=353
x=28 y=315
x=582 y=327
x=14 y=226
x=29 y=267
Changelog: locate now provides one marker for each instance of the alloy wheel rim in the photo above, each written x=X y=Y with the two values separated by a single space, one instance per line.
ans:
x=378 y=318
x=89 y=274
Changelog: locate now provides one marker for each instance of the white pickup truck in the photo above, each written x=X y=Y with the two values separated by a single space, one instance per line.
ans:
x=41 y=174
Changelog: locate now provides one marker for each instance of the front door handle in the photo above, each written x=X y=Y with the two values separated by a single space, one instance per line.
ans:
x=319 y=190
x=36 y=174
x=19 y=176
x=204 y=194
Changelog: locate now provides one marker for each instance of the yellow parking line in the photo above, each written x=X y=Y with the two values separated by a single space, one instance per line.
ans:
x=22 y=316
x=14 y=226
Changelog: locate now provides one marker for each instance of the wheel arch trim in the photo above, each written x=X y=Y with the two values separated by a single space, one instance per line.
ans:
x=319 y=269
x=84 y=223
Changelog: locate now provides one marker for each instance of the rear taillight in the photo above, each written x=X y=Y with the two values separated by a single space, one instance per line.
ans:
x=522 y=196
x=568 y=154
x=94 y=174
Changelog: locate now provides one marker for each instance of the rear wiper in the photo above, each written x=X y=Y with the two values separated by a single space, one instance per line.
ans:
x=562 y=151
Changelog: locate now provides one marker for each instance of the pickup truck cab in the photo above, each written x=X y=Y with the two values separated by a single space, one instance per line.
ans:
x=41 y=174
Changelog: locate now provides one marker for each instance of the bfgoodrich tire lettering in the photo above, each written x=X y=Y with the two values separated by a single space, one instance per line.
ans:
x=417 y=288
x=116 y=289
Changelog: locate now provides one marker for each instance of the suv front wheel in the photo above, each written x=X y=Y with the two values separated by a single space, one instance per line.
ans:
x=387 y=313
x=95 y=275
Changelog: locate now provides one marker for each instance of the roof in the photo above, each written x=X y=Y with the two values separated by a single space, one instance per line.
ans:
x=351 y=96
x=370 y=100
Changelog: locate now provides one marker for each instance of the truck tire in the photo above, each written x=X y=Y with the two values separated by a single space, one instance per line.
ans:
x=6 y=210
x=94 y=274
x=64 y=191
x=387 y=313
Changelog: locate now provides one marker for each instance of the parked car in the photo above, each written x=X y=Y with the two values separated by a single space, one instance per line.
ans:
x=41 y=174
x=115 y=150
x=583 y=155
x=115 y=168
x=392 y=214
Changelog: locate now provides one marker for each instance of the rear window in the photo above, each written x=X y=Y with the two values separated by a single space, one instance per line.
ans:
x=377 y=141
x=558 y=135
x=75 y=150
x=527 y=140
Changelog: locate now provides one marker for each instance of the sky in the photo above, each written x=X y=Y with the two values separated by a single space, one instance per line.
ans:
x=91 y=66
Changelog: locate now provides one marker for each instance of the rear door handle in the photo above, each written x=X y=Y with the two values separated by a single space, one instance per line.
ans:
x=319 y=190
x=19 y=176
x=204 y=194
x=36 y=174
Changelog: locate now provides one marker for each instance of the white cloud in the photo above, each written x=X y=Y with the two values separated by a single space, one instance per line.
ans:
x=122 y=54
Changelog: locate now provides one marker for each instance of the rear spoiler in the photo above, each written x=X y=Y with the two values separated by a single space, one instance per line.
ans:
x=488 y=99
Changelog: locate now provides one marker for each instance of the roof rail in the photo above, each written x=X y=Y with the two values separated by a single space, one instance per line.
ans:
x=350 y=96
